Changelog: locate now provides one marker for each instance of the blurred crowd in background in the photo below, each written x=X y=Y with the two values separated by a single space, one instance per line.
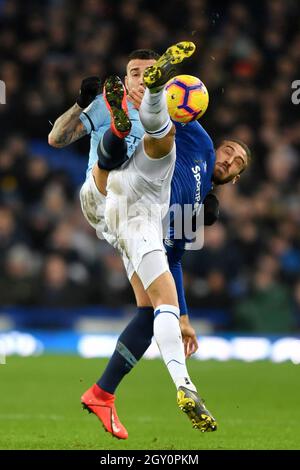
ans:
x=248 y=56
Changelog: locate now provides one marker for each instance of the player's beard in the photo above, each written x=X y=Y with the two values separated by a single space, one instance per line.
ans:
x=219 y=180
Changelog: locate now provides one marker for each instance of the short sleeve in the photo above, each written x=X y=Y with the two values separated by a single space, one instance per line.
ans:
x=93 y=117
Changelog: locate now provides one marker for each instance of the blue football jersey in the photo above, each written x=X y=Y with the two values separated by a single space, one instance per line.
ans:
x=192 y=179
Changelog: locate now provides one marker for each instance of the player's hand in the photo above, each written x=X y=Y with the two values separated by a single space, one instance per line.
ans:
x=90 y=88
x=189 y=337
x=135 y=96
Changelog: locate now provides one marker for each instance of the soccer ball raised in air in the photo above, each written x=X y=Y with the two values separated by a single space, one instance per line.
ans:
x=187 y=98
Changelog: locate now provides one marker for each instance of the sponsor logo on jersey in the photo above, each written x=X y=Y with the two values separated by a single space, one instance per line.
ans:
x=197 y=175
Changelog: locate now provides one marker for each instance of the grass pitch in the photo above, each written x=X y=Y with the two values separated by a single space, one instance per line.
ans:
x=256 y=406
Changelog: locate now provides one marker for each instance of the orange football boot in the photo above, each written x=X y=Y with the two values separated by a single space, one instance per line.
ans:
x=101 y=403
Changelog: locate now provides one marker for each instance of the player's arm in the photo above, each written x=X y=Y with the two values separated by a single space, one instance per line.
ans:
x=188 y=333
x=70 y=126
x=67 y=128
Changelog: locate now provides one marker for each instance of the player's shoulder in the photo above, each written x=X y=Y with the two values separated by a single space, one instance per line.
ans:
x=97 y=103
x=196 y=132
x=199 y=129
x=99 y=99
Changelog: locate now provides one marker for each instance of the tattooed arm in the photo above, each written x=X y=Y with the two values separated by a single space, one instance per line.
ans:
x=67 y=128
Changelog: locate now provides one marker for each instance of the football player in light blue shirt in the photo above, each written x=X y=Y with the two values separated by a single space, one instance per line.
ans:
x=96 y=120
x=195 y=169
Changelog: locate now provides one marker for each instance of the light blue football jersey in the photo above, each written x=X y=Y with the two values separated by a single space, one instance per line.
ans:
x=96 y=120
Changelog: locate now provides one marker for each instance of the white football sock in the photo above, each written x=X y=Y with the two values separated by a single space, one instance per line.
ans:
x=167 y=334
x=154 y=114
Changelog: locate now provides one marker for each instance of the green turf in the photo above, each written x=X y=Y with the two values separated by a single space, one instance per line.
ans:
x=256 y=405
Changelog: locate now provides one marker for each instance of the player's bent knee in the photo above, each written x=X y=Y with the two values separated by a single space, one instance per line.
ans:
x=92 y=203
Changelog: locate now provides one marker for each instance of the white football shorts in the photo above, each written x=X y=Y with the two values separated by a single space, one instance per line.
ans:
x=130 y=216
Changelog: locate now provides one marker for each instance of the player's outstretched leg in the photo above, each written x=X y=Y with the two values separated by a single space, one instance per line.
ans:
x=114 y=95
x=191 y=404
x=101 y=403
x=153 y=111
x=166 y=66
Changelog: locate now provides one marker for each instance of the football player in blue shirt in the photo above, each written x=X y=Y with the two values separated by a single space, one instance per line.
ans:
x=197 y=167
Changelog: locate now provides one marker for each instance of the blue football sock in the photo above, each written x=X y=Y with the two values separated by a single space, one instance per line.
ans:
x=131 y=345
x=112 y=151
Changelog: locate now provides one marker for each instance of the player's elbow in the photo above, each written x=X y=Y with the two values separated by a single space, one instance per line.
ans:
x=53 y=141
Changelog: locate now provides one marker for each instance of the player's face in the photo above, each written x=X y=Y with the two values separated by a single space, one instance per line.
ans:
x=135 y=71
x=231 y=159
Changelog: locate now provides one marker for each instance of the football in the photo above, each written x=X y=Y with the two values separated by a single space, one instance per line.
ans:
x=187 y=98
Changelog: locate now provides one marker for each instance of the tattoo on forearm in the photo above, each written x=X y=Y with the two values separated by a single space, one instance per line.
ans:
x=68 y=128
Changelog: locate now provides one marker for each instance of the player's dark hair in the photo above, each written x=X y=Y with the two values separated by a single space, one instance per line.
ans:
x=243 y=145
x=143 y=54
